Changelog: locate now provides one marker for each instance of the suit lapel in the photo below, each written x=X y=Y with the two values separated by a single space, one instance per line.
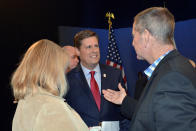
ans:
x=104 y=84
x=104 y=78
x=83 y=82
x=85 y=86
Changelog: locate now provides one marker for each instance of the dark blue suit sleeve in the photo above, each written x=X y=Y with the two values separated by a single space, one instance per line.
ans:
x=125 y=123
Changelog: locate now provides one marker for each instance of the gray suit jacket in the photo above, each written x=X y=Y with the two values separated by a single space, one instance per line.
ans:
x=168 y=102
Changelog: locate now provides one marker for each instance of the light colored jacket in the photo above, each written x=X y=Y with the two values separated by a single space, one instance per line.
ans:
x=46 y=112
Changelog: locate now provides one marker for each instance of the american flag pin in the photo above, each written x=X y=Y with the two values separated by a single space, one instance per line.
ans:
x=104 y=75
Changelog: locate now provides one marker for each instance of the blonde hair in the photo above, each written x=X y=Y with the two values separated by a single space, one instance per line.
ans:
x=42 y=68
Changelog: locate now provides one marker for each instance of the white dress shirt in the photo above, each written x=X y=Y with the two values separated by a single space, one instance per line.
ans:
x=97 y=75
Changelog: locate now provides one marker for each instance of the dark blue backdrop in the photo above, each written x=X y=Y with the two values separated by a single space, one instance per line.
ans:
x=185 y=38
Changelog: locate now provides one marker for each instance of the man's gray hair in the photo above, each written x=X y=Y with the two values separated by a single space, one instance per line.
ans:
x=158 y=21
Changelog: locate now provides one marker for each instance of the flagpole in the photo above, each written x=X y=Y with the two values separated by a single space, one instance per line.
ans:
x=110 y=16
x=113 y=57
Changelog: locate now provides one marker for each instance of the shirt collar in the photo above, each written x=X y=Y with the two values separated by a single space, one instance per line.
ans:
x=86 y=71
x=152 y=67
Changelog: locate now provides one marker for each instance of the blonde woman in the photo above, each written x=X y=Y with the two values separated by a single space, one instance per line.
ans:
x=38 y=85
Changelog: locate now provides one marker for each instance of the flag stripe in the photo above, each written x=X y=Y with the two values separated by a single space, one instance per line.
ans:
x=113 y=57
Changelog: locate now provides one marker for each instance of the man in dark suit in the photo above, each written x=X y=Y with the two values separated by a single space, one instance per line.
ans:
x=93 y=108
x=168 y=102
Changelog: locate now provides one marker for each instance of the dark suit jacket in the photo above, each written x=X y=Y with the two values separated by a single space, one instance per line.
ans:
x=139 y=86
x=80 y=98
x=168 y=102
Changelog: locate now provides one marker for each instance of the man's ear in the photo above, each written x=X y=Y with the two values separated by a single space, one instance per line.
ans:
x=147 y=35
x=77 y=51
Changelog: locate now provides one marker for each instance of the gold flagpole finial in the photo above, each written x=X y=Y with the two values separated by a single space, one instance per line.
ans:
x=110 y=16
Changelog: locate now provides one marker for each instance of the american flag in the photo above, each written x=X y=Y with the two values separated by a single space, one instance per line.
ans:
x=113 y=56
